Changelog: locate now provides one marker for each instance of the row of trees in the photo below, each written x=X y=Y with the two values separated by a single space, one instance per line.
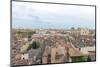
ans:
x=27 y=33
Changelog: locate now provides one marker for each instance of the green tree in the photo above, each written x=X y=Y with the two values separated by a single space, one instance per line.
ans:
x=34 y=45
x=88 y=59
x=19 y=32
x=31 y=33
x=79 y=59
x=73 y=28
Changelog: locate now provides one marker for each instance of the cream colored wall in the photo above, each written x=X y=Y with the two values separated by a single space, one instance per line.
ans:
x=84 y=32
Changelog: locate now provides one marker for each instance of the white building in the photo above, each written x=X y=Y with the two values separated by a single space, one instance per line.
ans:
x=85 y=50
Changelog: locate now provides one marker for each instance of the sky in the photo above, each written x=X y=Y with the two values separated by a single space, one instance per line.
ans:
x=56 y=16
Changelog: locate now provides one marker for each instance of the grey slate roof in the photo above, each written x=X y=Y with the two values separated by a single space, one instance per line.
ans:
x=80 y=44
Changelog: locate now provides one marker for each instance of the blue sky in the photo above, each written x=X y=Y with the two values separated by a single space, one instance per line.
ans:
x=39 y=15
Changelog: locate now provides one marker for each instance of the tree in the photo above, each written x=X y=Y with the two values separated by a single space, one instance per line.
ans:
x=34 y=45
x=73 y=28
x=19 y=32
x=88 y=59
x=31 y=33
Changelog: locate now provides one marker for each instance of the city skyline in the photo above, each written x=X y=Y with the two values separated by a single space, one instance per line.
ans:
x=39 y=15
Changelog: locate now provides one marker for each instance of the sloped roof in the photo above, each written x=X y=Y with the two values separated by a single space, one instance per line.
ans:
x=80 y=44
x=74 y=52
x=34 y=52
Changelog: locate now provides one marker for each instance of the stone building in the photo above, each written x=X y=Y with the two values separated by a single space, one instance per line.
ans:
x=84 y=31
x=55 y=53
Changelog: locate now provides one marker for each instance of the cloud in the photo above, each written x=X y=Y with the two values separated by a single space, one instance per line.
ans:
x=53 y=15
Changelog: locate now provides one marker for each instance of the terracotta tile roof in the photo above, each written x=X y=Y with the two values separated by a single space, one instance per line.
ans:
x=74 y=52
x=22 y=62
